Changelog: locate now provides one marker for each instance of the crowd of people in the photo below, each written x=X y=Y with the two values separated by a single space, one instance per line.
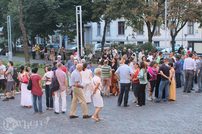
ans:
x=117 y=74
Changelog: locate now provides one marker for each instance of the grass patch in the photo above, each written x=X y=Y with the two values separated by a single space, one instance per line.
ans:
x=21 y=55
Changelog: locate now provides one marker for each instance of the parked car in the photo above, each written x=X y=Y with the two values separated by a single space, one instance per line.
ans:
x=21 y=46
x=53 y=46
x=98 y=47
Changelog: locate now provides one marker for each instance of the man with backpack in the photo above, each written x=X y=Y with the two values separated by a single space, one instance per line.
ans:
x=11 y=75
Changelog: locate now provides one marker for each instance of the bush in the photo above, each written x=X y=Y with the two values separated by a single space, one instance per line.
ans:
x=2 y=44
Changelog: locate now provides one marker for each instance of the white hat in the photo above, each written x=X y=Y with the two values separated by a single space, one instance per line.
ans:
x=59 y=56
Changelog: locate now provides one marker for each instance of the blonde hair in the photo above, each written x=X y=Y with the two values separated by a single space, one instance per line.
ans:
x=97 y=71
x=124 y=57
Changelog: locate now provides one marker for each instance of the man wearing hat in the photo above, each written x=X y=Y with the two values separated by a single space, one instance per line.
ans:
x=59 y=59
x=123 y=52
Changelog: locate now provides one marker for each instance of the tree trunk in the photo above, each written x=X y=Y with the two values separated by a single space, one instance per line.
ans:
x=103 y=37
x=150 y=35
x=26 y=52
x=173 y=43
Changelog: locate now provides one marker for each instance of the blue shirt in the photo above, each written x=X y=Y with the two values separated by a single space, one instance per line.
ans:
x=75 y=77
x=70 y=64
x=91 y=68
x=54 y=68
x=72 y=68
x=178 y=67
x=125 y=71
x=182 y=61
x=165 y=56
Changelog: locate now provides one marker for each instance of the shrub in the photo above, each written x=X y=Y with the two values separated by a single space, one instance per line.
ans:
x=2 y=44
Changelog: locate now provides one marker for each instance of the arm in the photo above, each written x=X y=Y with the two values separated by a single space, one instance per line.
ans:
x=78 y=85
x=161 y=72
x=66 y=85
x=198 y=72
x=117 y=76
x=27 y=74
x=40 y=84
x=96 y=87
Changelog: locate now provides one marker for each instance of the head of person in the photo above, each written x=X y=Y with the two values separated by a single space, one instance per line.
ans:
x=181 y=46
x=186 y=56
x=190 y=55
x=156 y=51
x=62 y=47
x=165 y=59
x=194 y=52
x=200 y=57
x=131 y=59
x=124 y=49
x=63 y=63
x=55 y=64
x=36 y=44
x=161 y=62
x=170 y=64
x=85 y=66
x=33 y=46
x=166 y=53
x=182 y=57
x=142 y=51
x=90 y=52
x=152 y=64
x=124 y=57
x=150 y=53
x=144 y=58
x=142 y=65
x=98 y=72
x=110 y=51
x=187 y=48
x=10 y=63
x=83 y=61
x=60 y=66
x=49 y=68
x=127 y=62
x=113 y=48
x=136 y=65
x=72 y=57
x=0 y=62
x=177 y=58
x=59 y=57
x=114 y=60
x=28 y=68
x=129 y=50
x=35 y=70
x=22 y=68
x=106 y=62
x=91 y=64
x=46 y=69
x=171 y=53
x=161 y=54
x=79 y=67
x=75 y=62
x=102 y=62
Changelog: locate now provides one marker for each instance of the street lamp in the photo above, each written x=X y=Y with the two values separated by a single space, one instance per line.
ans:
x=165 y=23
x=79 y=13
x=9 y=38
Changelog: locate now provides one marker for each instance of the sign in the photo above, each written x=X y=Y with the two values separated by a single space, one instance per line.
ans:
x=65 y=38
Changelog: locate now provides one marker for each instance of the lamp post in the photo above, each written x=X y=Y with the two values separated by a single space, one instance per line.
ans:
x=79 y=13
x=165 y=23
x=10 y=58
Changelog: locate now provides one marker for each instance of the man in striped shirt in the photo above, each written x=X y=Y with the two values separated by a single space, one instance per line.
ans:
x=106 y=76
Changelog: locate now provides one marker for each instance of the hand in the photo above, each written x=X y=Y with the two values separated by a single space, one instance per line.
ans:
x=91 y=96
x=197 y=75
x=82 y=87
x=67 y=90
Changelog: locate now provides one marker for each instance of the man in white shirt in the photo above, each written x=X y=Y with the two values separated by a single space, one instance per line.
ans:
x=190 y=69
x=141 y=55
x=2 y=78
x=125 y=72
x=114 y=52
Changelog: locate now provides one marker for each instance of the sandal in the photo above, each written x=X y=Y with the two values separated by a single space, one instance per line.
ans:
x=47 y=108
x=50 y=109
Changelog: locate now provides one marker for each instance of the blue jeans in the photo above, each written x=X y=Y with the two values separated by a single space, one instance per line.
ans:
x=200 y=82
x=39 y=103
x=164 y=84
x=182 y=76
x=178 y=79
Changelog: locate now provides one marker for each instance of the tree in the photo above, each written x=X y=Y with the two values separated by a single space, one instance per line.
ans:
x=180 y=13
x=23 y=33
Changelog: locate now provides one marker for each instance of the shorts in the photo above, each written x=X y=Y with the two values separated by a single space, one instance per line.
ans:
x=10 y=86
x=2 y=84
x=106 y=81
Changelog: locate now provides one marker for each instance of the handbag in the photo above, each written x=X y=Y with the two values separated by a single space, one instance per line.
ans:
x=29 y=86
x=25 y=79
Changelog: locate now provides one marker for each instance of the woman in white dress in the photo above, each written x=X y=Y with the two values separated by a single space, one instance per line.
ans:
x=26 y=99
x=86 y=77
x=97 y=98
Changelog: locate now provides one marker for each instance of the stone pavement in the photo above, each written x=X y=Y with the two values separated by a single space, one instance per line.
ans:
x=181 y=116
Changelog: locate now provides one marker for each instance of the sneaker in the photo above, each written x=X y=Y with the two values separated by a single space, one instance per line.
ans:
x=6 y=99
x=12 y=97
x=149 y=99
x=198 y=91
x=41 y=112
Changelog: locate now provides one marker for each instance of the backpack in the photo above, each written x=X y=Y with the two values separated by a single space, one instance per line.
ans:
x=15 y=75
x=54 y=86
x=29 y=86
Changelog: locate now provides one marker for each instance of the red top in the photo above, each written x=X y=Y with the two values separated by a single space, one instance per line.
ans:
x=188 y=51
x=64 y=69
x=136 y=74
x=36 y=90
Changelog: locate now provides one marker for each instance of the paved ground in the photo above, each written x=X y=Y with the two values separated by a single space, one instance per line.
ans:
x=180 y=116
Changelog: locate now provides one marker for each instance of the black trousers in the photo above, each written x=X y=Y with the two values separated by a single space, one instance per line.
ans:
x=153 y=85
x=141 y=94
x=125 y=87
x=49 y=97
x=33 y=55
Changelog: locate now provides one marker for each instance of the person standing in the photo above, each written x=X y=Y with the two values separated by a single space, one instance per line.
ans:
x=33 y=52
x=97 y=98
x=172 y=88
x=159 y=57
x=180 y=49
x=129 y=53
x=150 y=57
x=2 y=77
x=49 y=98
x=182 y=76
x=70 y=63
x=125 y=71
x=86 y=76
x=62 y=52
x=91 y=67
x=63 y=88
x=141 y=55
x=178 y=71
x=189 y=68
x=114 y=52
x=123 y=52
x=114 y=89
x=199 y=75
x=106 y=76
x=52 y=55
x=37 y=90
x=136 y=83
x=55 y=66
x=104 y=55
x=165 y=81
x=58 y=59
x=10 y=81
x=26 y=96
x=77 y=93
x=143 y=82
x=109 y=58
x=165 y=55
x=37 y=48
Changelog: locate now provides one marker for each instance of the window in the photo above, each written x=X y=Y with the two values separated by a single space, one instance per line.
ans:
x=121 y=28
x=190 y=28
x=108 y=29
x=140 y=43
x=122 y=43
x=98 y=42
x=98 y=29
x=108 y=41
x=141 y=31
x=156 y=43
x=157 y=31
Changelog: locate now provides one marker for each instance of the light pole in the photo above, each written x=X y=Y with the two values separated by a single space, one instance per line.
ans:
x=165 y=23
x=10 y=58
x=185 y=40
x=79 y=13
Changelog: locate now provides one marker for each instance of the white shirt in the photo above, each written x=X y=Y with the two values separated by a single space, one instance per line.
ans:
x=2 y=69
x=189 y=64
x=114 y=52
x=150 y=58
x=125 y=71
x=131 y=65
x=174 y=58
x=95 y=81
x=85 y=76
x=48 y=75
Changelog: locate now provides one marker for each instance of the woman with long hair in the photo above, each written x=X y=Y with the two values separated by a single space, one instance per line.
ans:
x=114 y=89
x=101 y=63
x=135 y=82
x=172 y=88
x=122 y=62
x=26 y=97
x=52 y=55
